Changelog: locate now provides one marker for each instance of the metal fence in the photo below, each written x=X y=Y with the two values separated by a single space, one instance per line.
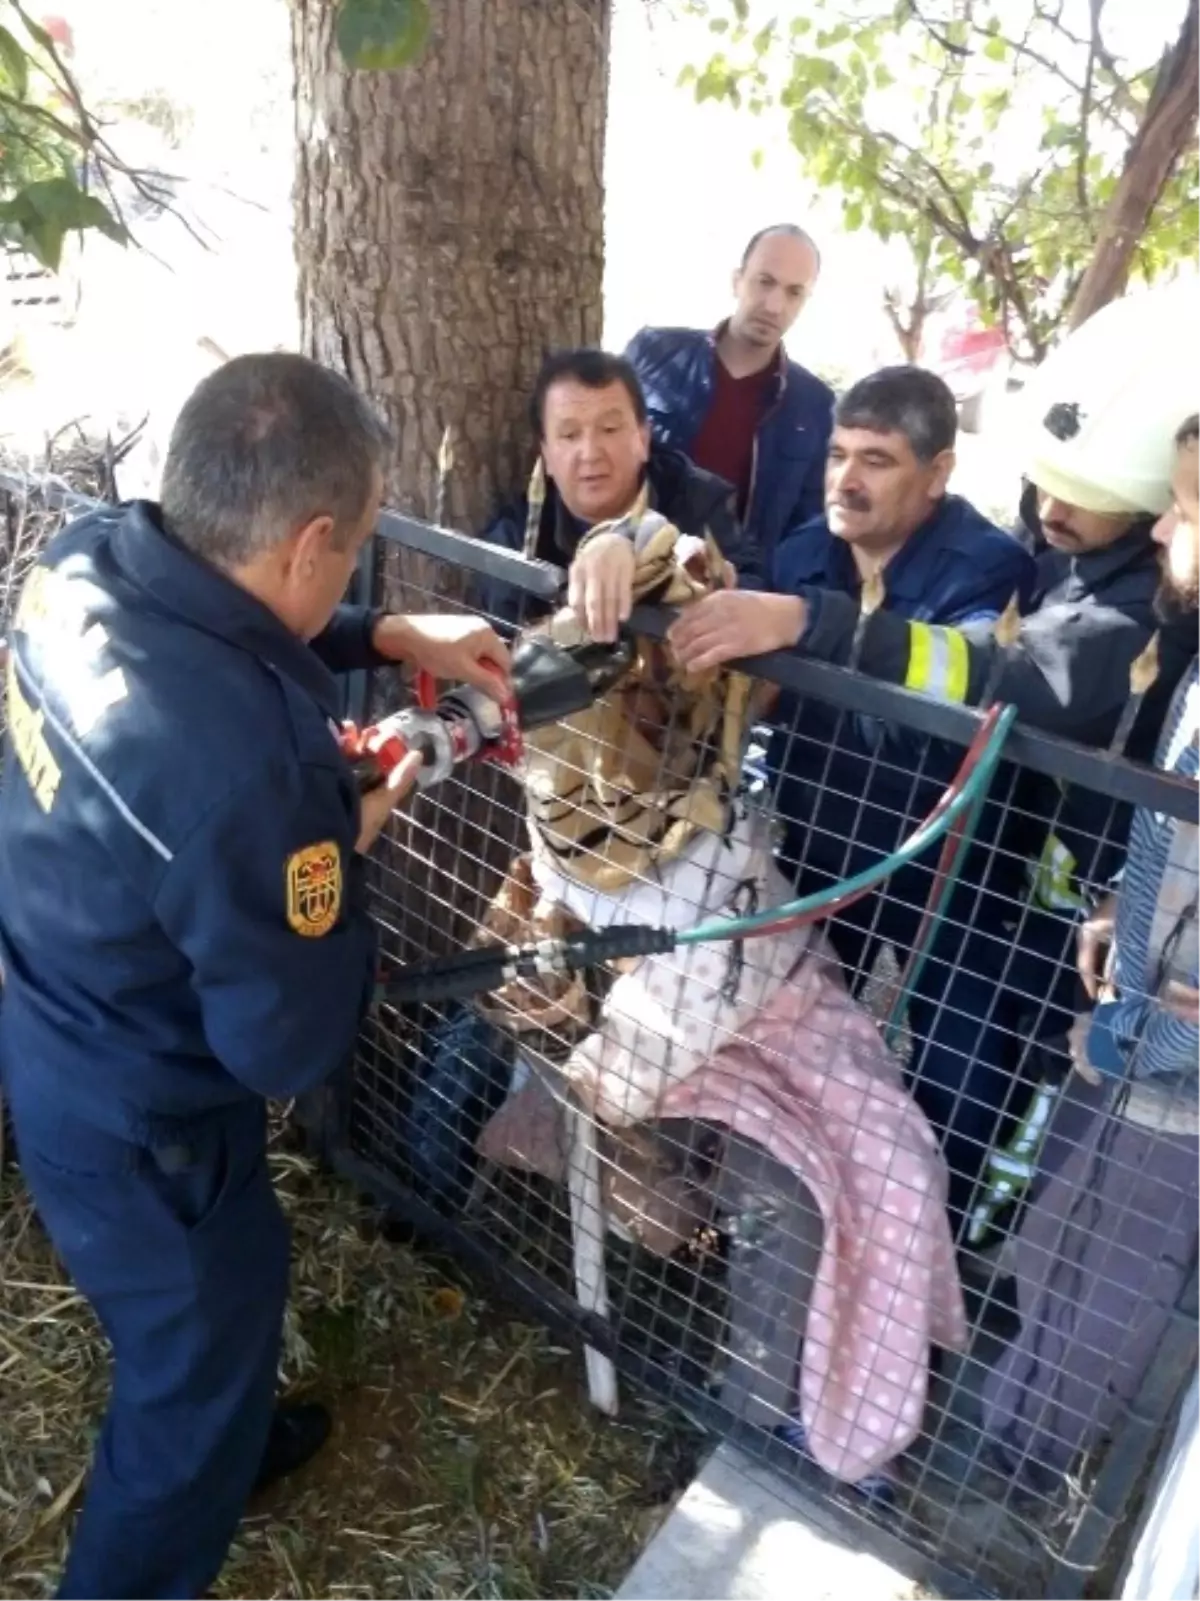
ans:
x=713 y=1172
x=719 y=1172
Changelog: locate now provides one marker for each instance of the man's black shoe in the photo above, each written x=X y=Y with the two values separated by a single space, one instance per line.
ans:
x=298 y=1431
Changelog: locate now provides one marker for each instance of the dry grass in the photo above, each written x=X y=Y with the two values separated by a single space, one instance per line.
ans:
x=465 y=1461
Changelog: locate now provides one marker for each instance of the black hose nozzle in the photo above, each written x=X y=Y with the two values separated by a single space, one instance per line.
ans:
x=492 y=967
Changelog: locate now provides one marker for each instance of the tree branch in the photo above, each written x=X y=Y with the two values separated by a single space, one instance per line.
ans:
x=85 y=134
x=1104 y=57
x=1085 y=112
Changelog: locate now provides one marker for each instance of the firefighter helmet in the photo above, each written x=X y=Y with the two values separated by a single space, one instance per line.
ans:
x=1103 y=409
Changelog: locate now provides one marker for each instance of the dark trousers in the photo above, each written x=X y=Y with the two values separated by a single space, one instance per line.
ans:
x=1103 y=1255
x=183 y=1254
x=987 y=1014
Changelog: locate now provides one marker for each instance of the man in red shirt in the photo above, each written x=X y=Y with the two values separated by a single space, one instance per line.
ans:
x=734 y=403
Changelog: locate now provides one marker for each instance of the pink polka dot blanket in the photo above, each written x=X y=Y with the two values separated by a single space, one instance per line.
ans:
x=761 y=1037
x=809 y=1078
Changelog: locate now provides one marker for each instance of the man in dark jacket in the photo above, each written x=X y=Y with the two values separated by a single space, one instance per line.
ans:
x=1104 y=1252
x=598 y=466
x=734 y=402
x=850 y=788
x=184 y=928
x=1100 y=457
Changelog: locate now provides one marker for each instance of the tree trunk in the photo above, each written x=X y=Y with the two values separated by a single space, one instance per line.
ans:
x=449 y=231
x=450 y=227
x=1167 y=129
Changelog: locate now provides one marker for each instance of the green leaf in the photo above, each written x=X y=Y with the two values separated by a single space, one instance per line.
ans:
x=15 y=63
x=42 y=214
x=381 y=35
x=996 y=50
x=741 y=9
x=718 y=25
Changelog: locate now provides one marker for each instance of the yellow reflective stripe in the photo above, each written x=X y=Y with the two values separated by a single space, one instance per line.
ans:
x=920 y=649
x=1011 y=1170
x=959 y=669
x=1054 y=877
x=938 y=662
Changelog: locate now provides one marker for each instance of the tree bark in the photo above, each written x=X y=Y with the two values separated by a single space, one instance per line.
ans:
x=450 y=227
x=449 y=231
x=1166 y=130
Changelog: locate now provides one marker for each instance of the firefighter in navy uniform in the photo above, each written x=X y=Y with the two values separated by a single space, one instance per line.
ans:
x=1102 y=414
x=183 y=931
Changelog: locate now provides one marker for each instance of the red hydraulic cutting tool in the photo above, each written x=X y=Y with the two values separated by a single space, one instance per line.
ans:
x=548 y=682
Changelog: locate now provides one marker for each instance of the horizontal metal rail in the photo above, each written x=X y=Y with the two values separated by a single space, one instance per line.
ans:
x=1113 y=777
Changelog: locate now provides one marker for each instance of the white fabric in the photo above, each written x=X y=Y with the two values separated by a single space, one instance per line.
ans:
x=668 y=1015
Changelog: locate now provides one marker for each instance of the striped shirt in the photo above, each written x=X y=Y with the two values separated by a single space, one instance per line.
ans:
x=1158 y=895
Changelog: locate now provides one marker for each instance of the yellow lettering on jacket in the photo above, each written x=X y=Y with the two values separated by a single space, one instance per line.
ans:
x=29 y=744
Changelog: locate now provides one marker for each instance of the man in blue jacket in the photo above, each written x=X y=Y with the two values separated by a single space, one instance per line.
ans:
x=733 y=401
x=183 y=927
x=851 y=788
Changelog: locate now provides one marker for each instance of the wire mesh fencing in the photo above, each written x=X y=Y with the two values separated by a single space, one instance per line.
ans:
x=828 y=1180
x=834 y=1185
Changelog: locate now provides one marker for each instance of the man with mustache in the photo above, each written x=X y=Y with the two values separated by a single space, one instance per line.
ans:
x=1103 y=1252
x=732 y=400
x=1102 y=410
x=850 y=788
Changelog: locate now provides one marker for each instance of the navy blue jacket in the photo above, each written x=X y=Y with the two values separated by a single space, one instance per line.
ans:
x=1090 y=616
x=182 y=922
x=677 y=369
x=696 y=502
x=856 y=776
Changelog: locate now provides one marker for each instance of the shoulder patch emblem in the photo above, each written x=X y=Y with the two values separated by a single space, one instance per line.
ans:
x=314 y=888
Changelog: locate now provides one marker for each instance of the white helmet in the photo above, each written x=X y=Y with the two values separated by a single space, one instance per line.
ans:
x=1103 y=409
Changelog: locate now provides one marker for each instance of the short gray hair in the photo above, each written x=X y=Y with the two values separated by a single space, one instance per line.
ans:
x=263 y=445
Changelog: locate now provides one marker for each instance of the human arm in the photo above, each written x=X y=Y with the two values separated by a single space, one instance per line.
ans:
x=1067 y=670
x=1154 y=1034
x=1151 y=1034
x=1093 y=943
x=463 y=649
x=346 y=643
x=265 y=902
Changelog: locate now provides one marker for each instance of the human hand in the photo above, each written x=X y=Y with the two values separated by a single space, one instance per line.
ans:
x=1182 y=1001
x=735 y=623
x=1095 y=936
x=464 y=650
x=378 y=804
x=1077 y=1044
x=600 y=585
